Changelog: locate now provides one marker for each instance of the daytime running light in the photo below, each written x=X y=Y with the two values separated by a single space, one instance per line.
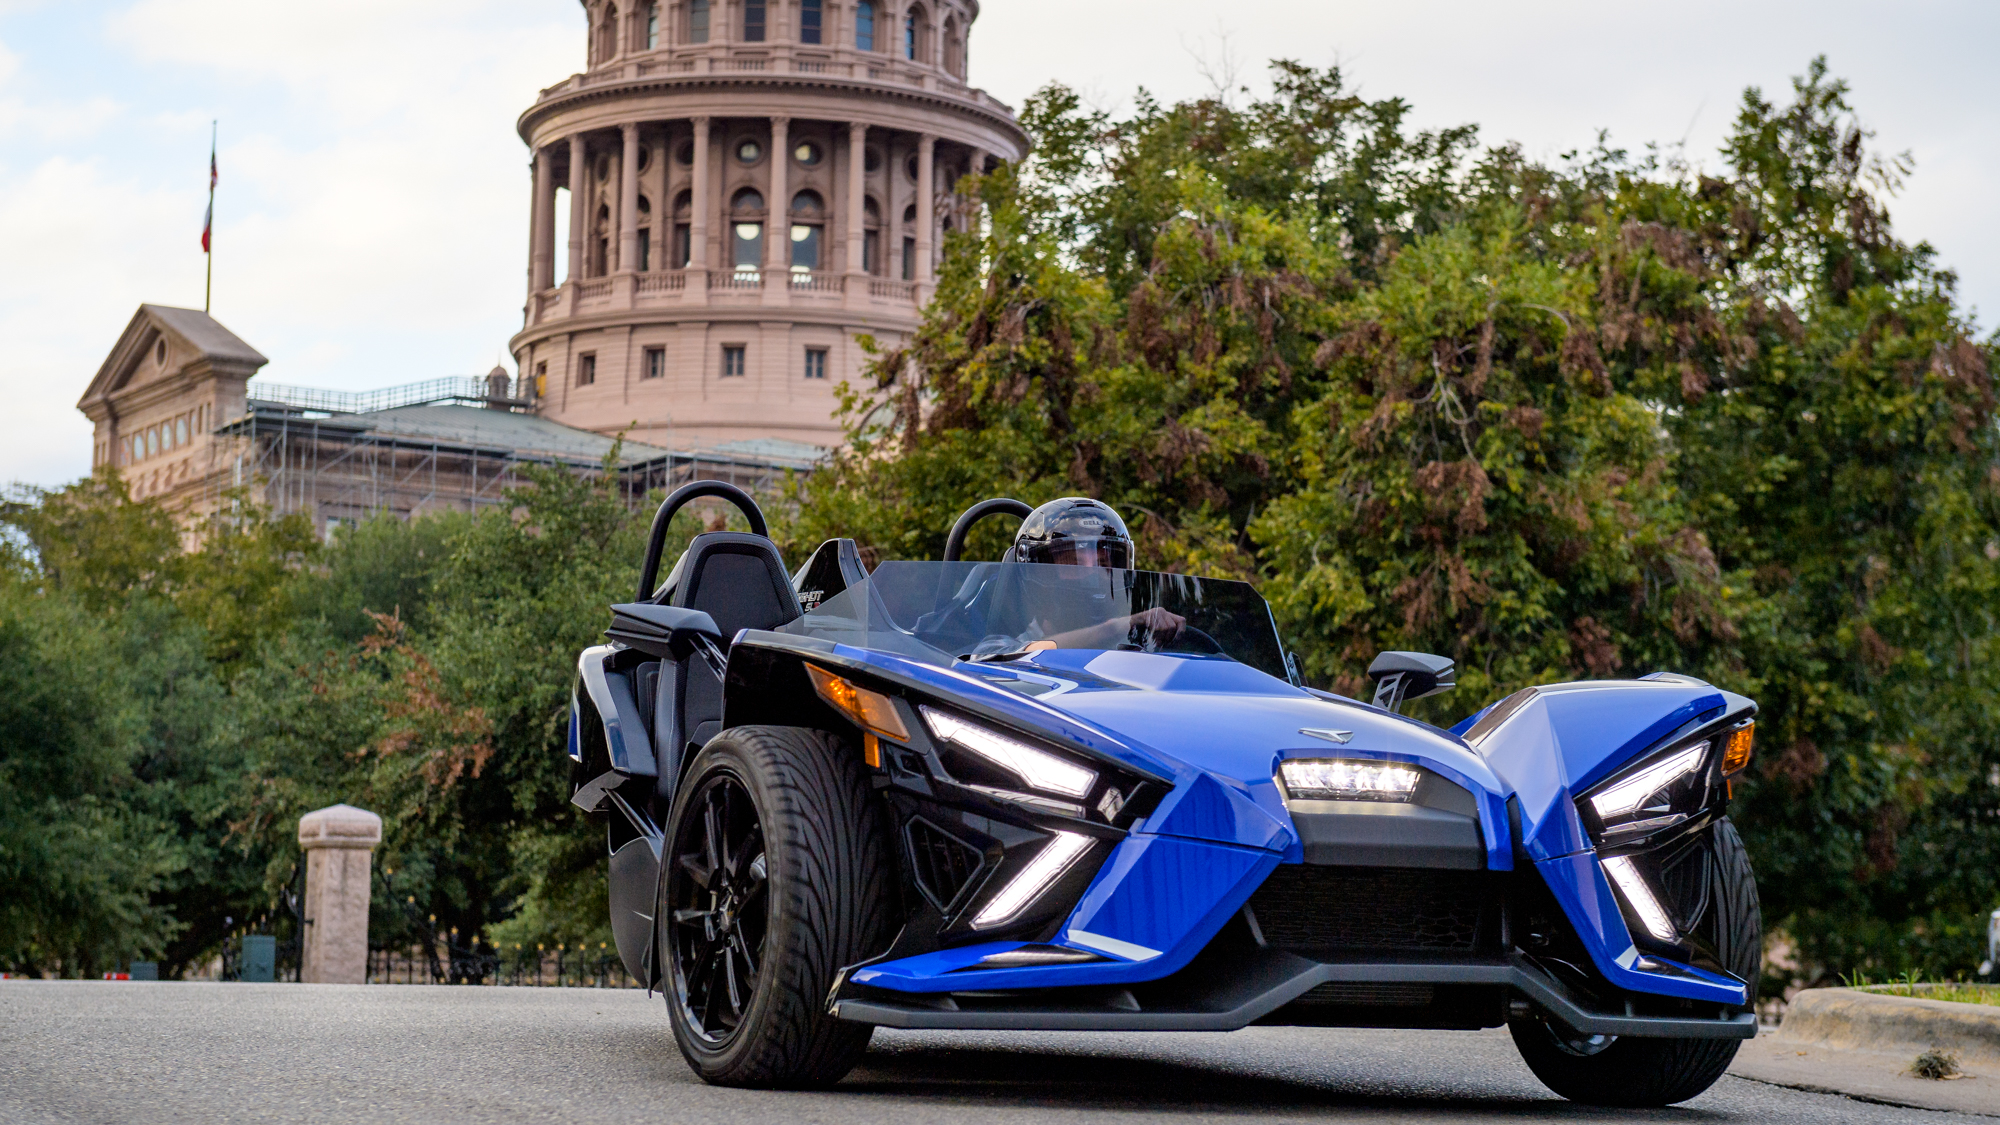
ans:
x=1319 y=779
x=1651 y=914
x=1048 y=865
x=1038 y=768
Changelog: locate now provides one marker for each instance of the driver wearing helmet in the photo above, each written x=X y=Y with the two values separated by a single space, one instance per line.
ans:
x=1078 y=539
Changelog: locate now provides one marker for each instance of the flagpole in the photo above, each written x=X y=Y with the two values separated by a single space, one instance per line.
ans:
x=208 y=286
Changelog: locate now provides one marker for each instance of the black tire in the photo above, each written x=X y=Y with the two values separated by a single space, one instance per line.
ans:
x=1634 y=1073
x=821 y=902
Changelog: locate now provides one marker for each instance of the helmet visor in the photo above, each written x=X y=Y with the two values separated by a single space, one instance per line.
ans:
x=1113 y=553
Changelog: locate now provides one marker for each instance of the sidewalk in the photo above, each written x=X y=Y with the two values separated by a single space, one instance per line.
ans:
x=1860 y=1044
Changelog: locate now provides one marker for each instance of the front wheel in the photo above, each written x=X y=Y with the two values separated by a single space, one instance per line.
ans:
x=776 y=875
x=1628 y=1072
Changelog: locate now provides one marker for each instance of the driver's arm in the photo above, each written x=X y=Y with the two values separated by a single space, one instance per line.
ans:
x=1164 y=624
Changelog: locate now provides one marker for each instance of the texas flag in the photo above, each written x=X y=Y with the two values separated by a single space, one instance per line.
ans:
x=208 y=220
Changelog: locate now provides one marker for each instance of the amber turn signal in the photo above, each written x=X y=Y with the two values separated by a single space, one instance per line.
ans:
x=870 y=710
x=1736 y=751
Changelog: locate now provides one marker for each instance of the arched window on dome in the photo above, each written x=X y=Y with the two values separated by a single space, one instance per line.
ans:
x=954 y=49
x=652 y=27
x=607 y=34
x=600 y=243
x=753 y=21
x=910 y=243
x=912 y=33
x=645 y=233
x=871 y=237
x=683 y=231
x=864 y=26
x=808 y=231
x=811 y=21
x=746 y=233
x=697 y=21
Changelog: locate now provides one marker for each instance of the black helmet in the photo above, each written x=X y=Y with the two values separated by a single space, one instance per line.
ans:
x=1075 y=530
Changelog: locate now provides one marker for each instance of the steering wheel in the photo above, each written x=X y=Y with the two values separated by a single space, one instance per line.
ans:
x=1189 y=639
x=954 y=544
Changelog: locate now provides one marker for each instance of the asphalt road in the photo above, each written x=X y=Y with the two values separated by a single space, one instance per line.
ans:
x=157 y=1053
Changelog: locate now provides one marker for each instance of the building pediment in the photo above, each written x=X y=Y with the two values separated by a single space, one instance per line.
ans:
x=162 y=340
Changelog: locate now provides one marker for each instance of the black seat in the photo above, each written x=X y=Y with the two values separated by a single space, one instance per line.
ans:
x=737 y=579
x=740 y=581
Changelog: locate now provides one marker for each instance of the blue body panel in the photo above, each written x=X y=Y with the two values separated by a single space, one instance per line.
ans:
x=1218 y=729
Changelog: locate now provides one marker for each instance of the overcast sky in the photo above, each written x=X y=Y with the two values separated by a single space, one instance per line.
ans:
x=373 y=208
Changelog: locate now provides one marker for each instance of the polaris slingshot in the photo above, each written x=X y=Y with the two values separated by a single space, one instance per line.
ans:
x=827 y=813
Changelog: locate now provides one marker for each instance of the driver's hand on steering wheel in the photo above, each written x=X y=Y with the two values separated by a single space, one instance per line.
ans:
x=1163 y=624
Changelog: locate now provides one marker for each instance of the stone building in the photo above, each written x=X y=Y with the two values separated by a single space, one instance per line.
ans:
x=176 y=409
x=752 y=185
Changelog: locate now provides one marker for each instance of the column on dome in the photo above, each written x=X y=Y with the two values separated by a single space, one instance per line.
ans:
x=857 y=193
x=926 y=205
x=628 y=200
x=542 y=227
x=778 y=227
x=579 y=163
x=698 y=223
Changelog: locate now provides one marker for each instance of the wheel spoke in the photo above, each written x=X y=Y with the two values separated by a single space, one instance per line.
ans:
x=691 y=916
x=752 y=849
x=696 y=870
x=743 y=948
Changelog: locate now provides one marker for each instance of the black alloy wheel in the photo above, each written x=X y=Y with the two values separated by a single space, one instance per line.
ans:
x=777 y=874
x=718 y=907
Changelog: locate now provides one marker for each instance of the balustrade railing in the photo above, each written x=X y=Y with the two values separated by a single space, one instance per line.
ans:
x=735 y=279
x=892 y=289
x=817 y=281
x=593 y=288
x=662 y=282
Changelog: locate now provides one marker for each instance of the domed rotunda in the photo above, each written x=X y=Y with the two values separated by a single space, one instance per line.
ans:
x=752 y=184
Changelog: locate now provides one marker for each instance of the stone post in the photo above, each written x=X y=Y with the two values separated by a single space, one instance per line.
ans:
x=338 y=843
x=542 y=252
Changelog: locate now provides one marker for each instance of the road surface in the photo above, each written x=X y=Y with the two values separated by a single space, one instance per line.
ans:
x=87 y=1051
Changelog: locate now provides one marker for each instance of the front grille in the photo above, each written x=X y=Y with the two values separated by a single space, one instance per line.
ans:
x=942 y=863
x=1368 y=994
x=1304 y=906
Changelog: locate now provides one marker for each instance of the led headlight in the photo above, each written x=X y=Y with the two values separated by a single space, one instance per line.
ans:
x=1634 y=793
x=1039 y=768
x=1323 y=779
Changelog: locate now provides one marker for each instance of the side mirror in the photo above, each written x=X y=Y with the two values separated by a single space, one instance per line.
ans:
x=665 y=630
x=1401 y=676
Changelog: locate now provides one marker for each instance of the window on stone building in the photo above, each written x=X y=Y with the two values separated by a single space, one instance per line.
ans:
x=808 y=224
x=871 y=237
x=872 y=160
x=607 y=34
x=656 y=364
x=954 y=49
x=600 y=255
x=732 y=361
x=160 y=353
x=815 y=363
x=909 y=259
x=864 y=26
x=541 y=378
x=911 y=24
x=652 y=27
x=697 y=21
x=181 y=432
x=746 y=212
x=753 y=21
x=586 y=370
x=809 y=21
x=645 y=249
x=808 y=153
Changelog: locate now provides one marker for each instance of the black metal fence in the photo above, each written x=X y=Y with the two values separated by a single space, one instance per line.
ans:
x=482 y=963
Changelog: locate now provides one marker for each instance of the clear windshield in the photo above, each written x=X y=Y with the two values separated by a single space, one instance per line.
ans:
x=943 y=612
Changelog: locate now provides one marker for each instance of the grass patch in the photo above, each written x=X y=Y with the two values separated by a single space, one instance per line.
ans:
x=1913 y=985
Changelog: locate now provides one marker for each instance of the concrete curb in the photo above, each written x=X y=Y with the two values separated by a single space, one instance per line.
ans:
x=1848 y=1019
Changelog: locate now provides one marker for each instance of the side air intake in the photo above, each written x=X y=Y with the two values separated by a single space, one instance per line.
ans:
x=943 y=864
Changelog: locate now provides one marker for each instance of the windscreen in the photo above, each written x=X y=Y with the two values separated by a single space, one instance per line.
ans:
x=943 y=612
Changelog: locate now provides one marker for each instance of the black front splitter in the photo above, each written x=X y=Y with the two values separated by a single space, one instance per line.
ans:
x=1260 y=985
